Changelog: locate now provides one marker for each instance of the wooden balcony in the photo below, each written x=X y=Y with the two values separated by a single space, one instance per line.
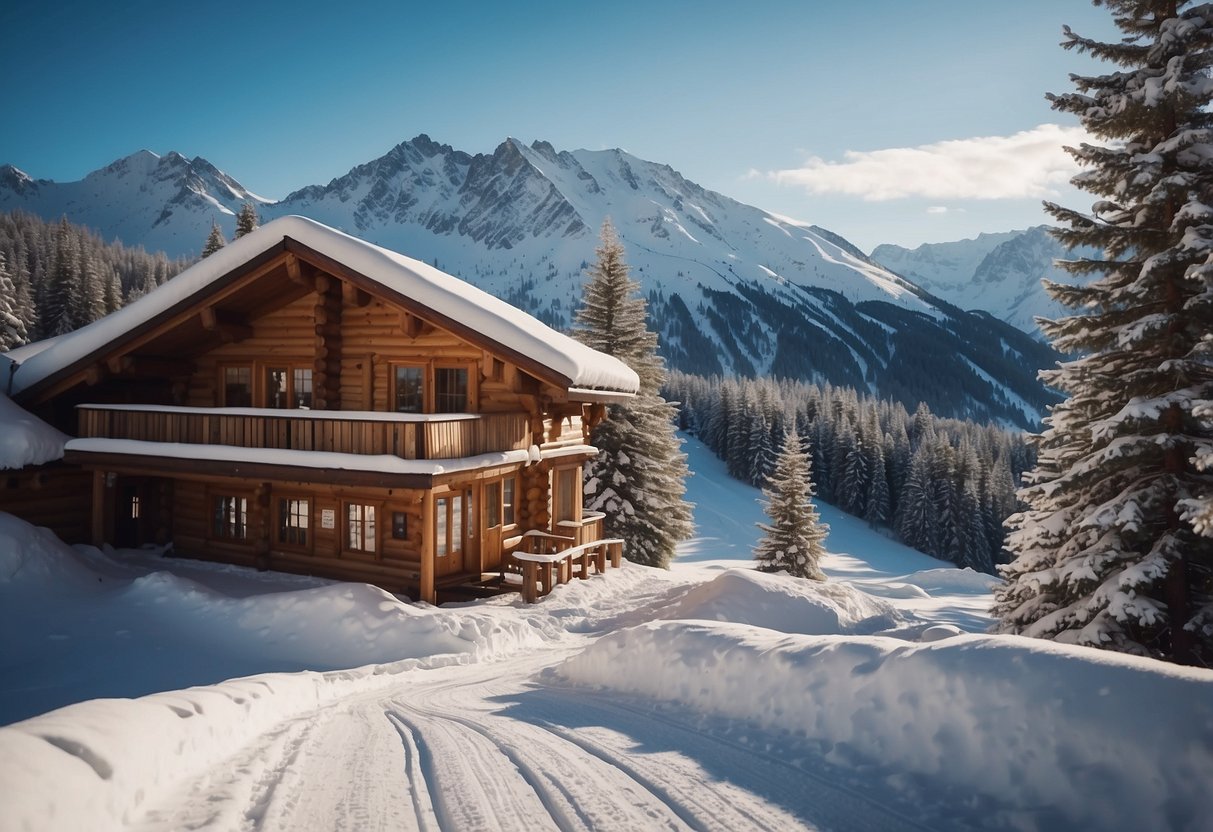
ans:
x=406 y=435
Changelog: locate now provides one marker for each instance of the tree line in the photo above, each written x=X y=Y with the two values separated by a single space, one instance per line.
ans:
x=56 y=277
x=942 y=486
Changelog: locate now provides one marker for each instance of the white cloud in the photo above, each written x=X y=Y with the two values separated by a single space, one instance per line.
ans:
x=937 y=209
x=1029 y=164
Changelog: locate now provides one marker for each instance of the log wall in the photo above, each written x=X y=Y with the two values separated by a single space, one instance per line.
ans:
x=54 y=496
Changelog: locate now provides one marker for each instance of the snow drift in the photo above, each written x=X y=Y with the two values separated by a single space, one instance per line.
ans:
x=24 y=438
x=789 y=605
x=1051 y=733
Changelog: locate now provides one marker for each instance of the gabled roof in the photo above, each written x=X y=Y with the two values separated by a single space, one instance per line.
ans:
x=495 y=324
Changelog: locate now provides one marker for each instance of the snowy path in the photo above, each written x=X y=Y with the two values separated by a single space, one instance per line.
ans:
x=486 y=746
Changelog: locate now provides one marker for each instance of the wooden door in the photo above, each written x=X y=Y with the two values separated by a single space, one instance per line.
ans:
x=136 y=512
x=490 y=527
x=450 y=533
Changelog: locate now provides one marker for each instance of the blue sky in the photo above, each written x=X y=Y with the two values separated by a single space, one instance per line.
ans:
x=859 y=117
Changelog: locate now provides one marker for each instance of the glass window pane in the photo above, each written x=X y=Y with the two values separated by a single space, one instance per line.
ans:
x=410 y=391
x=492 y=504
x=456 y=524
x=451 y=390
x=507 y=501
x=369 y=537
x=565 y=491
x=237 y=387
x=275 y=388
x=443 y=531
x=302 y=387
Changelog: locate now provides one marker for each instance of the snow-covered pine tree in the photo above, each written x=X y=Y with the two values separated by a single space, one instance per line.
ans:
x=246 y=221
x=12 y=327
x=214 y=241
x=794 y=539
x=1103 y=556
x=639 y=476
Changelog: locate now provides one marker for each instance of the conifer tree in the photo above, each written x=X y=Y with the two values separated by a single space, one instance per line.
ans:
x=214 y=241
x=639 y=476
x=246 y=221
x=12 y=327
x=1103 y=555
x=794 y=539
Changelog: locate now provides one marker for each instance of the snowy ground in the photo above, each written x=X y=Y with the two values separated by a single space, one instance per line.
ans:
x=709 y=696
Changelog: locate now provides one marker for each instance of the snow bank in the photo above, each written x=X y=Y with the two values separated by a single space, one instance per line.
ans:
x=951 y=581
x=790 y=605
x=91 y=765
x=25 y=439
x=1098 y=739
x=76 y=624
x=31 y=557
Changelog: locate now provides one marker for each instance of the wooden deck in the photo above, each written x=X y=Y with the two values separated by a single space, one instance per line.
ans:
x=333 y=431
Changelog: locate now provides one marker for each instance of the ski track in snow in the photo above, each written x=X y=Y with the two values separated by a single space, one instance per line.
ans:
x=484 y=746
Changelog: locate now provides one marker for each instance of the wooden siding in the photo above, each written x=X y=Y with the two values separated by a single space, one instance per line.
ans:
x=396 y=563
x=409 y=440
x=56 y=496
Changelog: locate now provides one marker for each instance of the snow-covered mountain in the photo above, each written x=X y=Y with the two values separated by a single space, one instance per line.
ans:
x=165 y=202
x=996 y=273
x=732 y=288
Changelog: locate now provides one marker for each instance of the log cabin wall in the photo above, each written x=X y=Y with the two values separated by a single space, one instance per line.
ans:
x=371 y=340
x=55 y=495
x=395 y=562
x=286 y=336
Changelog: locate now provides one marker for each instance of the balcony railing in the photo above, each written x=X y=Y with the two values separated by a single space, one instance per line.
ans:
x=406 y=435
x=585 y=530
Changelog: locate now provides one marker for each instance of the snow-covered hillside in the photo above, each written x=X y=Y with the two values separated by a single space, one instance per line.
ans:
x=732 y=288
x=997 y=273
x=164 y=203
x=710 y=696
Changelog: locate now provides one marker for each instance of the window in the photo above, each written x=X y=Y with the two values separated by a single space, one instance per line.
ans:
x=360 y=528
x=507 y=501
x=442 y=540
x=301 y=392
x=448 y=516
x=294 y=521
x=230 y=517
x=492 y=504
x=288 y=387
x=409 y=389
x=450 y=390
x=237 y=386
x=400 y=525
x=134 y=506
x=566 y=493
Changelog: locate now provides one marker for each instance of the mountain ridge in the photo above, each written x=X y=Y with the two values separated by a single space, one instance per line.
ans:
x=732 y=288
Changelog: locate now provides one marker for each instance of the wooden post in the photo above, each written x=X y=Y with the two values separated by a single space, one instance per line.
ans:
x=98 y=518
x=427 y=549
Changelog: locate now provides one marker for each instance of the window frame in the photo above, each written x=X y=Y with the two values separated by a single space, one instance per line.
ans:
x=509 y=508
x=309 y=531
x=289 y=368
x=429 y=370
x=562 y=477
x=214 y=531
x=221 y=383
x=392 y=392
x=377 y=529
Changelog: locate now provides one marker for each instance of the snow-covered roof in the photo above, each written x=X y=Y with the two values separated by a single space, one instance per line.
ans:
x=25 y=439
x=497 y=321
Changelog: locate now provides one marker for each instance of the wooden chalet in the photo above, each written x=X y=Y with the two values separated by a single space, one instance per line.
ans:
x=305 y=401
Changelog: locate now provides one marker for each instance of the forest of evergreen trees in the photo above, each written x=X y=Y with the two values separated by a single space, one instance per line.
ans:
x=943 y=486
x=63 y=276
